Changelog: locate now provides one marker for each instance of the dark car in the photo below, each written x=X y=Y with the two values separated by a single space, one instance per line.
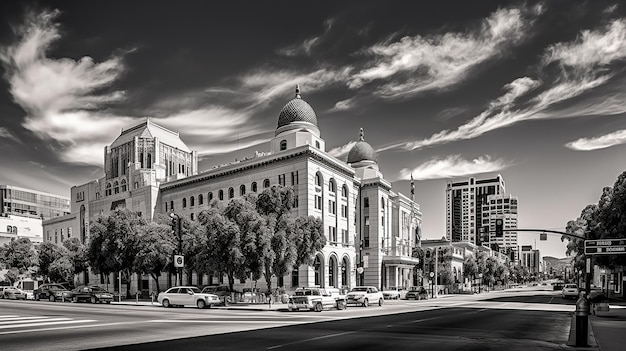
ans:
x=223 y=291
x=52 y=292
x=416 y=293
x=91 y=293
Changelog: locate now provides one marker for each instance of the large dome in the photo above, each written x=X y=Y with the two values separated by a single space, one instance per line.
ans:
x=361 y=151
x=296 y=110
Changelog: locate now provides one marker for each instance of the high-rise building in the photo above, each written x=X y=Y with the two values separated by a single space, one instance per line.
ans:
x=531 y=258
x=501 y=207
x=464 y=205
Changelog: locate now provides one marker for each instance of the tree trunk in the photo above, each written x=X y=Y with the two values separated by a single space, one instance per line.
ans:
x=156 y=279
x=231 y=280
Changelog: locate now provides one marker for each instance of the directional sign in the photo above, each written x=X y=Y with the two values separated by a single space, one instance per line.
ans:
x=179 y=261
x=605 y=246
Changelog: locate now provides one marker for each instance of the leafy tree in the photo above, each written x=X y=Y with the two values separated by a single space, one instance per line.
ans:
x=48 y=252
x=155 y=249
x=309 y=238
x=470 y=267
x=114 y=243
x=19 y=254
x=62 y=270
x=612 y=219
x=76 y=252
x=223 y=251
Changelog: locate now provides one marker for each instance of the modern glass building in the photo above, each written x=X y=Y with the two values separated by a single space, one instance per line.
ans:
x=32 y=203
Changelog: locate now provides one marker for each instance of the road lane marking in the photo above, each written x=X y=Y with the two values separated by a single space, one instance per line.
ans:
x=62 y=328
x=220 y=321
x=53 y=322
x=311 y=339
x=25 y=320
x=9 y=316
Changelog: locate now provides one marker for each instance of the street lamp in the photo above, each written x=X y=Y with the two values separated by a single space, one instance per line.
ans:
x=176 y=226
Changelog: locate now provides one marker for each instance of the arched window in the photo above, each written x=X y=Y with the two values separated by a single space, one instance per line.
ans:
x=231 y=193
x=253 y=187
x=210 y=196
x=200 y=200
x=266 y=183
x=220 y=195
x=123 y=185
x=149 y=160
x=295 y=278
x=172 y=205
x=317 y=144
x=191 y=217
x=344 y=191
x=283 y=145
x=317 y=267
x=318 y=179
x=332 y=272
x=242 y=190
x=331 y=186
x=116 y=187
x=184 y=202
x=83 y=225
x=382 y=202
x=192 y=201
x=107 y=190
x=344 y=272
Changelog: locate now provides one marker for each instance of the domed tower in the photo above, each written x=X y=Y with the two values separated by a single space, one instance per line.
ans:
x=297 y=126
x=362 y=157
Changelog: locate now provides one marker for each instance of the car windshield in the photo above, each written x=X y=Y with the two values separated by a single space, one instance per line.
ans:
x=571 y=286
x=97 y=289
x=359 y=288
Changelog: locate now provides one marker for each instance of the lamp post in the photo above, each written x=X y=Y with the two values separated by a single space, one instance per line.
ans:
x=176 y=225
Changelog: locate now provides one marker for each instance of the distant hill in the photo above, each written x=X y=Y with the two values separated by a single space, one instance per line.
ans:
x=557 y=264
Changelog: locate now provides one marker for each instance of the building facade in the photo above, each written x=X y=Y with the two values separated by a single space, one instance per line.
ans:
x=531 y=259
x=503 y=207
x=369 y=227
x=464 y=205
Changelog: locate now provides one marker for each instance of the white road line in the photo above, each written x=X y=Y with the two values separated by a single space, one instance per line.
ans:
x=311 y=339
x=47 y=323
x=264 y=322
x=62 y=328
x=9 y=316
x=26 y=320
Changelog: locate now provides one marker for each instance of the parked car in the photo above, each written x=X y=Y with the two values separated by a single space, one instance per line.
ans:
x=91 y=293
x=394 y=293
x=52 y=292
x=187 y=296
x=222 y=291
x=570 y=290
x=315 y=299
x=2 y=291
x=417 y=293
x=558 y=285
x=14 y=293
x=364 y=296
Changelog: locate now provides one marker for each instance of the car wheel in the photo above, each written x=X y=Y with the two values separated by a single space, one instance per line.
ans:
x=201 y=304
x=93 y=299
x=74 y=299
x=166 y=303
x=380 y=302
x=366 y=303
x=341 y=305
x=318 y=307
x=51 y=298
x=108 y=302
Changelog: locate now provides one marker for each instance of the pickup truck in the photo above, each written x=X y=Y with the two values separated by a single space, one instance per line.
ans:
x=315 y=299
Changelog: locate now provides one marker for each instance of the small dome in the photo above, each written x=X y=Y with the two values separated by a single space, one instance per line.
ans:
x=296 y=110
x=361 y=151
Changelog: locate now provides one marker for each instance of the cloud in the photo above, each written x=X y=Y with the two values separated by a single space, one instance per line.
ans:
x=453 y=166
x=306 y=46
x=341 y=152
x=5 y=133
x=61 y=97
x=343 y=105
x=582 y=67
x=420 y=63
x=601 y=142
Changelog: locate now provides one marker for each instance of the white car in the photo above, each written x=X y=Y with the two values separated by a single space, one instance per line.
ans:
x=315 y=299
x=364 y=296
x=394 y=293
x=570 y=290
x=187 y=296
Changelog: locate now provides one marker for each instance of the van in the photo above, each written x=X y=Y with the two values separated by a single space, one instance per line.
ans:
x=28 y=286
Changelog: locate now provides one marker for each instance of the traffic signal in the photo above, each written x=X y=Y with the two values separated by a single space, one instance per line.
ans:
x=499 y=227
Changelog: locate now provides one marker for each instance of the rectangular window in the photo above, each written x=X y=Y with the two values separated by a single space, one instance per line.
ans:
x=344 y=236
x=281 y=179
x=294 y=178
x=318 y=202
x=332 y=234
x=366 y=233
x=332 y=207
x=366 y=202
x=295 y=201
x=344 y=211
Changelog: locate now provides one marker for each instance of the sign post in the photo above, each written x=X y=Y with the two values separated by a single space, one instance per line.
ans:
x=605 y=246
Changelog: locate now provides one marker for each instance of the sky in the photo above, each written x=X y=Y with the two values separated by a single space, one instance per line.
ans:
x=444 y=90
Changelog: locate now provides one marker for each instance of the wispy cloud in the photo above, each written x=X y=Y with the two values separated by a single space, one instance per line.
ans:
x=61 y=96
x=343 y=105
x=306 y=46
x=601 y=142
x=420 y=63
x=453 y=166
x=5 y=133
x=582 y=67
x=341 y=152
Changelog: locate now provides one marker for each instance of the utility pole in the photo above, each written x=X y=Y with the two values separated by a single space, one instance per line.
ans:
x=177 y=227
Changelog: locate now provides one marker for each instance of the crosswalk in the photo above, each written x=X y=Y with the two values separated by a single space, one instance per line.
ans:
x=11 y=324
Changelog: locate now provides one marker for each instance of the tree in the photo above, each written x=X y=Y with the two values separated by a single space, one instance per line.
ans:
x=470 y=267
x=76 y=252
x=62 y=270
x=223 y=250
x=155 y=250
x=19 y=255
x=114 y=243
x=309 y=238
x=48 y=252
x=612 y=220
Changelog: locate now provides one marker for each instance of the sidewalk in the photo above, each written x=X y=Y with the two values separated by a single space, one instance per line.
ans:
x=609 y=328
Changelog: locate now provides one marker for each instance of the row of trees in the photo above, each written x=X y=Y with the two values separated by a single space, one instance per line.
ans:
x=251 y=237
x=604 y=220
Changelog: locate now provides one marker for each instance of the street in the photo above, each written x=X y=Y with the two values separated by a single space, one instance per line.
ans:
x=496 y=320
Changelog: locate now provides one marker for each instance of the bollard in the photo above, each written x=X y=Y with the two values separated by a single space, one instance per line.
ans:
x=582 y=320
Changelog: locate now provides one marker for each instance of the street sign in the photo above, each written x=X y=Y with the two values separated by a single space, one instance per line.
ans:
x=179 y=261
x=432 y=274
x=605 y=246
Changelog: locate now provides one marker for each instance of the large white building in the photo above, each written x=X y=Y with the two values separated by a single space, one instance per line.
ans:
x=503 y=207
x=150 y=170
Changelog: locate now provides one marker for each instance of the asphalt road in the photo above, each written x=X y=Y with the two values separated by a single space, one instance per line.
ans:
x=537 y=320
